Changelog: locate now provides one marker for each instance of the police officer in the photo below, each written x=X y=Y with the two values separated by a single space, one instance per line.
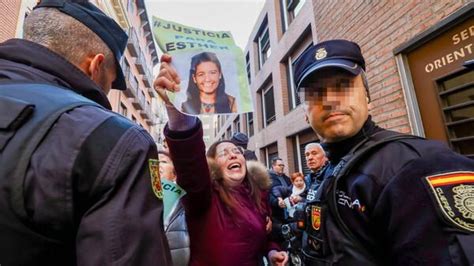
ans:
x=386 y=198
x=316 y=160
x=75 y=178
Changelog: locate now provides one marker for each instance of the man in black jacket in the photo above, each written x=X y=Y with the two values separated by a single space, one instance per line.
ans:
x=407 y=201
x=279 y=214
x=84 y=195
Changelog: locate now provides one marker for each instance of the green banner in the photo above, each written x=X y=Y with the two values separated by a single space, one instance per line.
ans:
x=171 y=195
x=210 y=65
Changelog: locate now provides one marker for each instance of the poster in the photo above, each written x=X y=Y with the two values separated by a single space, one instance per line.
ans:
x=211 y=68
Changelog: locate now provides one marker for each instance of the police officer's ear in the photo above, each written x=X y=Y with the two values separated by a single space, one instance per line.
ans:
x=369 y=103
x=92 y=65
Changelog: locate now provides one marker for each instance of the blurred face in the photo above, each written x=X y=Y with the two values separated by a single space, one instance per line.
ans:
x=314 y=158
x=336 y=105
x=278 y=167
x=298 y=182
x=231 y=162
x=166 y=167
x=207 y=77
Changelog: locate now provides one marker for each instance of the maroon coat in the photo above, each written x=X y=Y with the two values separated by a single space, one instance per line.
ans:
x=217 y=236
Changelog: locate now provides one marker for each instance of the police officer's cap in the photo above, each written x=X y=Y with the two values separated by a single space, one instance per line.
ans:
x=102 y=25
x=329 y=54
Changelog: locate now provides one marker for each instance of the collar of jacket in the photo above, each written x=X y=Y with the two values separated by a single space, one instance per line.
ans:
x=48 y=67
x=255 y=170
x=335 y=151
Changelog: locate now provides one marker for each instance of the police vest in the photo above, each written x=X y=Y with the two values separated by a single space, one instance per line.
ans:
x=27 y=113
x=328 y=240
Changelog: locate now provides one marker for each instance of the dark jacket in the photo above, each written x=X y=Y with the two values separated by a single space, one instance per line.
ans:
x=278 y=181
x=178 y=236
x=87 y=195
x=218 y=237
x=279 y=215
x=392 y=206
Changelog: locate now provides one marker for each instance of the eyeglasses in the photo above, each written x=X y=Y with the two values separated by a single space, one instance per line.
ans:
x=226 y=152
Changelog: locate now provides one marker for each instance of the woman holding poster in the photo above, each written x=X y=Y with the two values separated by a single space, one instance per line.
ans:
x=227 y=209
x=206 y=87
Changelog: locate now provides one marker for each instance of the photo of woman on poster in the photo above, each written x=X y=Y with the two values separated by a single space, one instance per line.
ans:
x=206 y=87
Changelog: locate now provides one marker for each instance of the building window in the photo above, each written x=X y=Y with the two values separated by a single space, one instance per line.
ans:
x=221 y=121
x=291 y=8
x=298 y=155
x=294 y=98
x=123 y=110
x=263 y=42
x=271 y=151
x=247 y=64
x=456 y=95
x=299 y=142
x=237 y=124
x=250 y=124
x=268 y=104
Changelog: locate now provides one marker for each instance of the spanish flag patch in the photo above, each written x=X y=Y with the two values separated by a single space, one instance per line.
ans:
x=454 y=197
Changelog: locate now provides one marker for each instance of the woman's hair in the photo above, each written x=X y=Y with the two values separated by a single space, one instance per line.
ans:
x=193 y=102
x=224 y=189
x=295 y=175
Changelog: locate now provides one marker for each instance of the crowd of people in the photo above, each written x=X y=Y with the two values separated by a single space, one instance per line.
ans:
x=75 y=176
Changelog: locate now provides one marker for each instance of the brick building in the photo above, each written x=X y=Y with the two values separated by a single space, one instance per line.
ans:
x=12 y=14
x=139 y=102
x=414 y=50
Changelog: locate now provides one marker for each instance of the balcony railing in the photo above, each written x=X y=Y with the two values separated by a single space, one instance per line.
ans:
x=132 y=84
x=129 y=91
x=132 y=45
x=140 y=63
x=146 y=113
x=147 y=78
x=136 y=103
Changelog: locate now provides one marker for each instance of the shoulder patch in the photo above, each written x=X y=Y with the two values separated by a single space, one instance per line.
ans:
x=153 y=164
x=316 y=217
x=454 y=197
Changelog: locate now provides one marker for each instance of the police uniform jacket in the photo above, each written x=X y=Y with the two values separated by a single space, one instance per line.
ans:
x=406 y=203
x=88 y=194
